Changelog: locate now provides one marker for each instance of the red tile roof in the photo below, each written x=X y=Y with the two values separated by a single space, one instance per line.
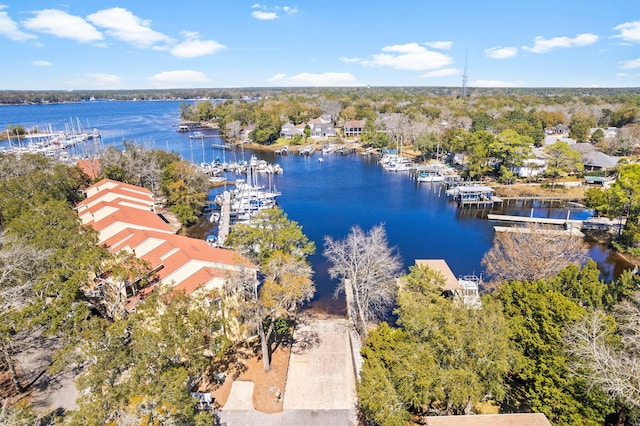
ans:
x=90 y=166
x=187 y=263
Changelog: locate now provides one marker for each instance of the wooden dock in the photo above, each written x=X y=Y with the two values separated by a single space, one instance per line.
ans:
x=536 y=220
x=572 y=226
x=225 y=218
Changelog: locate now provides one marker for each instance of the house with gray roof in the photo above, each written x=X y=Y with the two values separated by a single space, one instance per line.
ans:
x=596 y=160
x=321 y=130
x=290 y=130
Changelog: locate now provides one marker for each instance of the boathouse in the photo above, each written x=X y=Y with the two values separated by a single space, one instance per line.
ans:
x=475 y=196
x=464 y=289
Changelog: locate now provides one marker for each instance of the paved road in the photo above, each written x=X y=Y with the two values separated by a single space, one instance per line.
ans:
x=320 y=388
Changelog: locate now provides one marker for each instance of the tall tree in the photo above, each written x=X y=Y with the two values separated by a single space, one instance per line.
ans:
x=141 y=369
x=561 y=160
x=287 y=286
x=270 y=231
x=444 y=358
x=537 y=314
x=580 y=126
x=367 y=268
x=278 y=245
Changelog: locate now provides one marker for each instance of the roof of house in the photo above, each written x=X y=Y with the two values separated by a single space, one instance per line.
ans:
x=515 y=419
x=177 y=258
x=90 y=166
x=106 y=188
x=584 y=147
x=440 y=265
x=125 y=222
x=599 y=159
x=351 y=124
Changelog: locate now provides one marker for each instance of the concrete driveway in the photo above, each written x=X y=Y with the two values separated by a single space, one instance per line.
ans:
x=321 y=384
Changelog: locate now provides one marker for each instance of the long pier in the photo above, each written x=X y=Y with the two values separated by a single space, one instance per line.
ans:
x=571 y=226
x=537 y=220
x=225 y=218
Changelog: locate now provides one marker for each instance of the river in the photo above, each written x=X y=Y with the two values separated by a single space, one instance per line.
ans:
x=326 y=198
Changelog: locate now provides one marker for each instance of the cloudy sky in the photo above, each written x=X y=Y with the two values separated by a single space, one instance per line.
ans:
x=118 y=44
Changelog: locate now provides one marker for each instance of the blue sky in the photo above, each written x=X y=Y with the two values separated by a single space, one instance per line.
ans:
x=80 y=44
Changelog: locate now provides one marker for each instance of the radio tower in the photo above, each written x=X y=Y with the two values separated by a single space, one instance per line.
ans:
x=464 y=79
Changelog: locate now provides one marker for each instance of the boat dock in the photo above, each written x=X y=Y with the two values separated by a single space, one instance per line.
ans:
x=536 y=220
x=479 y=196
x=572 y=226
x=225 y=218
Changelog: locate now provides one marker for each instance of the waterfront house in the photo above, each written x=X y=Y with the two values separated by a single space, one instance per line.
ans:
x=290 y=130
x=126 y=220
x=353 y=128
x=532 y=166
x=593 y=159
x=319 y=130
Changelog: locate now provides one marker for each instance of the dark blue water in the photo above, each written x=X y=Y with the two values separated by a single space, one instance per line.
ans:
x=325 y=198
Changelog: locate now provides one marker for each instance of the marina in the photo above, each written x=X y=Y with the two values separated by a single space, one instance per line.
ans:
x=324 y=198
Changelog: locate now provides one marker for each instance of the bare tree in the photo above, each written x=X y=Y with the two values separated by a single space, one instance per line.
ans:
x=233 y=130
x=607 y=357
x=20 y=264
x=532 y=253
x=367 y=268
x=331 y=107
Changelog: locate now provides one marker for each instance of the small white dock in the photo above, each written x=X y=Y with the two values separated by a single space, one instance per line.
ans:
x=537 y=220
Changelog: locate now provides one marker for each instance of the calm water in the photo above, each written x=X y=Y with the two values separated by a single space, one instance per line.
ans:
x=325 y=198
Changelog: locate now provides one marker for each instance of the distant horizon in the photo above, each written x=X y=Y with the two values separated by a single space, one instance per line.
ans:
x=102 y=45
x=338 y=88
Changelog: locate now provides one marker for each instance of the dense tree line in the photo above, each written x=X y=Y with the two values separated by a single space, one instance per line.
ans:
x=444 y=357
x=492 y=131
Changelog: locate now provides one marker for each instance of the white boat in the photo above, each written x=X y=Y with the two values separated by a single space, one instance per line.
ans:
x=429 y=176
x=396 y=163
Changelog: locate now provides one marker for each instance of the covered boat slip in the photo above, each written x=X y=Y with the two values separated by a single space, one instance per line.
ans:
x=475 y=196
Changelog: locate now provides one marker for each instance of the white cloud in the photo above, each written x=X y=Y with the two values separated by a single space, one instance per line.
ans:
x=96 y=81
x=194 y=47
x=290 y=10
x=41 y=63
x=497 y=83
x=125 y=26
x=501 y=52
x=61 y=24
x=542 y=45
x=264 y=16
x=441 y=73
x=178 y=79
x=410 y=56
x=350 y=60
x=328 y=79
x=442 y=45
x=629 y=31
x=628 y=76
x=9 y=28
x=631 y=64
